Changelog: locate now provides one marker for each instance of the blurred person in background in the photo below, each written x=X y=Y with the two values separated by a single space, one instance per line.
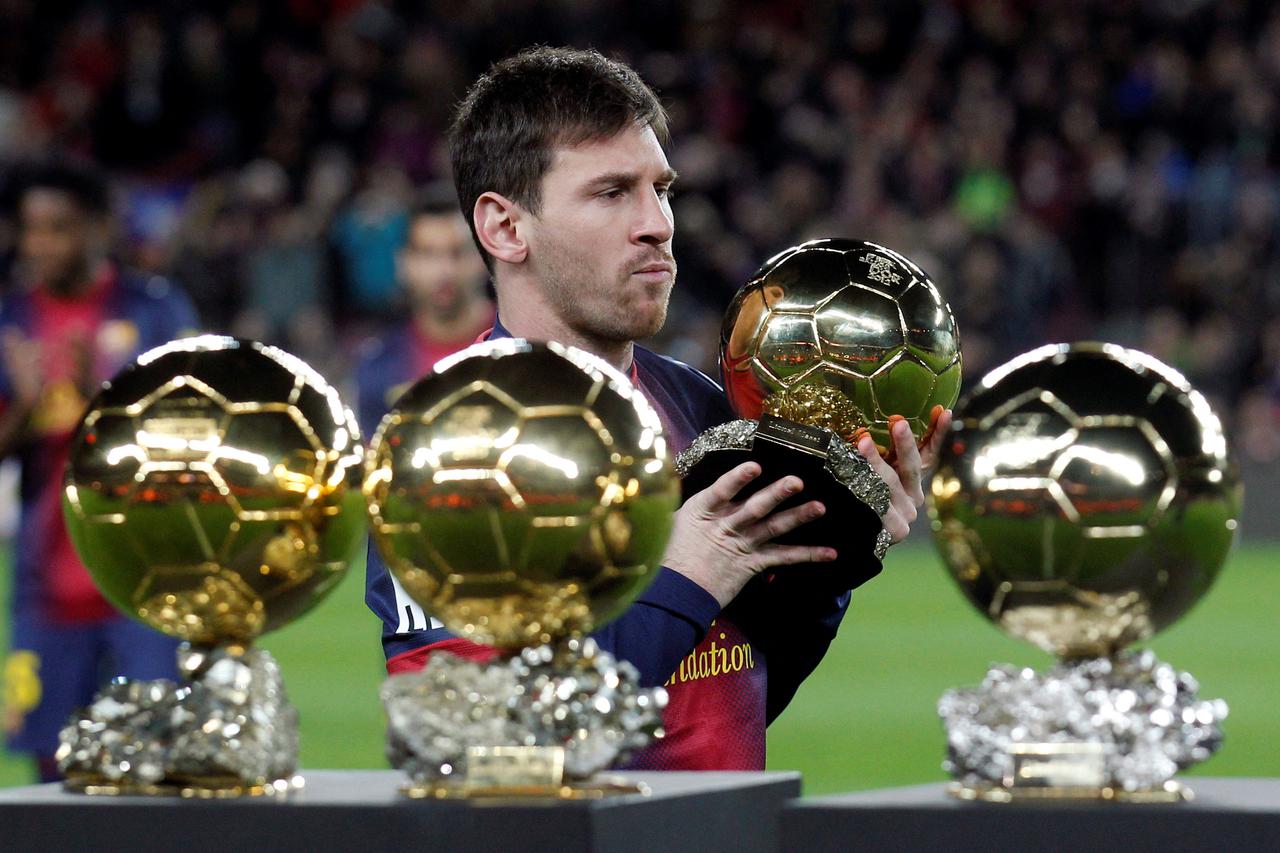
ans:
x=71 y=321
x=444 y=284
x=367 y=233
x=283 y=270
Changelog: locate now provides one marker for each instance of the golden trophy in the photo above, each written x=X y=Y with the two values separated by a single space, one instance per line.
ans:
x=1083 y=501
x=523 y=495
x=841 y=334
x=213 y=492
x=829 y=339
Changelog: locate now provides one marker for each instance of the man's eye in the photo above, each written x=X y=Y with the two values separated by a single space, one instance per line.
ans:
x=665 y=192
x=616 y=192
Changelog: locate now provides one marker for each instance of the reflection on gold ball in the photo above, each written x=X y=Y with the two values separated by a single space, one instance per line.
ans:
x=521 y=493
x=841 y=334
x=1084 y=499
x=213 y=489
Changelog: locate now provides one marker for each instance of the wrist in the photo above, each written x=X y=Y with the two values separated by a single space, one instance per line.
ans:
x=720 y=586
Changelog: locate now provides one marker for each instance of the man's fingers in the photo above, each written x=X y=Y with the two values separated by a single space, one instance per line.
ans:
x=897 y=494
x=765 y=501
x=907 y=463
x=931 y=446
x=778 y=523
x=789 y=555
x=726 y=487
x=897 y=526
x=867 y=447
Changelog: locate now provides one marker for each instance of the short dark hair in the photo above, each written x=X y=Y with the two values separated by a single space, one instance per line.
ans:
x=86 y=186
x=514 y=117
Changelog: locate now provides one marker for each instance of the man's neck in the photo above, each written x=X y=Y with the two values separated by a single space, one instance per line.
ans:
x=535 y=321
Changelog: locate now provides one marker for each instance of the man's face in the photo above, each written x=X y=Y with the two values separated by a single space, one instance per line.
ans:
x=601 y=244
x=58 y=239
x=439 y=265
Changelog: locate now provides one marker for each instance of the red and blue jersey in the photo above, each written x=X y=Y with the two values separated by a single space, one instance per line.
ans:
x=84 y=340
x=728 y=674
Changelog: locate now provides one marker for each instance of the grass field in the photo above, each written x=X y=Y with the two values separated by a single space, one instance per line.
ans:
x=866 y=718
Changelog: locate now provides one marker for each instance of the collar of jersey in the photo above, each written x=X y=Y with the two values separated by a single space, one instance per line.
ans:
x=500 y=331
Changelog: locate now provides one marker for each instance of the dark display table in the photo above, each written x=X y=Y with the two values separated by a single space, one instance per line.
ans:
x=361 y=810
x=1234 y=815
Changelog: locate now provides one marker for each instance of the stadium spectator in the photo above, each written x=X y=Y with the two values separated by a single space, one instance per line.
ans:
x=72 y=321
x=444 y=290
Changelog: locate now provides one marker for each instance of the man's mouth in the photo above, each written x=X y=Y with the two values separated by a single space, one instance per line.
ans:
x=658 y=270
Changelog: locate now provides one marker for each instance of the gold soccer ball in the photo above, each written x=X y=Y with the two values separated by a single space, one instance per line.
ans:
x=213 y=489
x=1084 y=499
x=841 y=334
x=521 y=493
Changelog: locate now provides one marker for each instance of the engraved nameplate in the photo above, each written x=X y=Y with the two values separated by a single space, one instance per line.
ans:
x=515 y=767
x=1058 y=765
x=803 y=437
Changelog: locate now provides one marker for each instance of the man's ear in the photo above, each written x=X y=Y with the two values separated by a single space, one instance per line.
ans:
x=498 y=219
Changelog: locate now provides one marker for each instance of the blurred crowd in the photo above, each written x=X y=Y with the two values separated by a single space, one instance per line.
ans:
x=1064 y=170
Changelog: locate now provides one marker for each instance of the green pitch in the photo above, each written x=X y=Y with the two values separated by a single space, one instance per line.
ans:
x=866 y=718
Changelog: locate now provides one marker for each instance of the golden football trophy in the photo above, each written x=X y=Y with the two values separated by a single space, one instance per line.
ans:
x=213 y=492
x=1083 y=501
x=841 y=334
x=523 y=495
x=828 y=340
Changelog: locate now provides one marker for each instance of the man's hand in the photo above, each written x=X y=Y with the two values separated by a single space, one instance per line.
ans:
x=906 y=466
x=720 y=543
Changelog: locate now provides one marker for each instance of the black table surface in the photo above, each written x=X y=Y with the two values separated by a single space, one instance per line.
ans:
x=363 y=810
x=1233 y=815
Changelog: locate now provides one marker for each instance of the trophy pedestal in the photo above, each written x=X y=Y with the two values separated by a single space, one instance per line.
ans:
x=1110 y=728
x=1226 y=814
x=343 y=810
x=228 y=731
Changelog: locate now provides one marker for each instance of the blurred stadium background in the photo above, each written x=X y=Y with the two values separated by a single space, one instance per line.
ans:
x=1065 y=170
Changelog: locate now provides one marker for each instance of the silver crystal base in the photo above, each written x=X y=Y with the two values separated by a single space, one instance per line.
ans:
x=573 y=703
x=229 y=730
x=1133 y=719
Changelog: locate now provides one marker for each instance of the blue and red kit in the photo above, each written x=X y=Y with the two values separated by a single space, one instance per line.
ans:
x=66 y=639
x=728 y=674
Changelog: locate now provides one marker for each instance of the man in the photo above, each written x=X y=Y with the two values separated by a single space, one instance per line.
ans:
x=78 y=320
x=558 y=158
x=444 y=284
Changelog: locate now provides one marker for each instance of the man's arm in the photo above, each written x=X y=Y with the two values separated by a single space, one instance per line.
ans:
x=661 y=628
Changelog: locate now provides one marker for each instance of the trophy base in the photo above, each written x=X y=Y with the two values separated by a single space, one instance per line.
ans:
x=541 y=724
x=227 y=731
x=1170 y=792
x=210 y=788
x=597 y=788
x=832 y=471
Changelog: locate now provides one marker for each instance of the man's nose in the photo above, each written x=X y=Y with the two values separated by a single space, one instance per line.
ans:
x=655 y=224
